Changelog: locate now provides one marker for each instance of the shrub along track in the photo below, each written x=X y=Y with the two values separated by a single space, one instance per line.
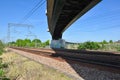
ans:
x=109 y=61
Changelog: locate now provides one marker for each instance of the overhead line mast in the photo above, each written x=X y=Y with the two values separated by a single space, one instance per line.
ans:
x=18 y=25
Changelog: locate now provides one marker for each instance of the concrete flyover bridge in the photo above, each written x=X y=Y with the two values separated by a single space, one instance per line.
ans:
x=62 y=13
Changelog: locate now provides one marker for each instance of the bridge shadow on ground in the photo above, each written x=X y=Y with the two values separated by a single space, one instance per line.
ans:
x=86 y=70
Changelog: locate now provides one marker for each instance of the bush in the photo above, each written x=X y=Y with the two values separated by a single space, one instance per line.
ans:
x=1 y=72
x=5 y=65
x=118 y=48
x=89 y=45
x=1 y=47
x=1 y=52
x=82 y=46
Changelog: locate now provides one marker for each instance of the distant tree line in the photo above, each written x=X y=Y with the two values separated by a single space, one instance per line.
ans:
x=29 y=43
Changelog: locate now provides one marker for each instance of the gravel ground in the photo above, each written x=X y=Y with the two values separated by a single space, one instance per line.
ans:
x=76 y=71
x=95 y=74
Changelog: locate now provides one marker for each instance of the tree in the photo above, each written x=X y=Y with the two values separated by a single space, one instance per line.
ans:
x=27 y=42
x=105 y=42
x=36 y=40
x=20 y=43
x=36 y=43
x=110 y=41
x=47 y=42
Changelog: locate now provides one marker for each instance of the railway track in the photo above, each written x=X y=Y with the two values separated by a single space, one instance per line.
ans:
x=107 y=59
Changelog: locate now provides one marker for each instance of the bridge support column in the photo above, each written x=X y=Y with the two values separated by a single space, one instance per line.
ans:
x=57 y=43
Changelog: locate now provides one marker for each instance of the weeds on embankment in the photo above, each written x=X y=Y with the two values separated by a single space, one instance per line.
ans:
x=21 y=68
x=102 y=46
x=3 y=66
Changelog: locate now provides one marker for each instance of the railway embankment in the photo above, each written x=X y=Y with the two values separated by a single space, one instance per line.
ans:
x=78 y=71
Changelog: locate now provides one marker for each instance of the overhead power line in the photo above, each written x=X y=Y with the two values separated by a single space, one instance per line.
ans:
x=31 y=12
x=32 y=9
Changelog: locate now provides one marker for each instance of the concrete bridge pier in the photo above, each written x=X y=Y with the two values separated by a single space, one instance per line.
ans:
x=60 y=43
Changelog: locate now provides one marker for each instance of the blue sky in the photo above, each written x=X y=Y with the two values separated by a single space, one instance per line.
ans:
x=100 y=23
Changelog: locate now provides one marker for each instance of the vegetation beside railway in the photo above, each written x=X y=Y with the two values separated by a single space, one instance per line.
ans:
x=16 y=67
x=1 y=47
x=3 y=65
x=21 y=68
x=89 y=45
x=37 y=43
x=104 y=46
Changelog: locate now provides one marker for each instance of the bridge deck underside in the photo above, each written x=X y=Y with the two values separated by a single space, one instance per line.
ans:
x=71 y=11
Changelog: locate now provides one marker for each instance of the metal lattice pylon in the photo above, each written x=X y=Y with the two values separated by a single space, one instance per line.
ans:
x=18 y=25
